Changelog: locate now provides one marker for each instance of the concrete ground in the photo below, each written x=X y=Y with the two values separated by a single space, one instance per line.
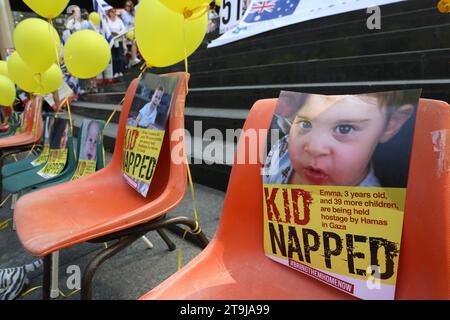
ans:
x=131 y=273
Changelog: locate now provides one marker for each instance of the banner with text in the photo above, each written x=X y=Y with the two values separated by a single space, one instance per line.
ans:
x=334 y=187
x=266 y=15
x=145 y=129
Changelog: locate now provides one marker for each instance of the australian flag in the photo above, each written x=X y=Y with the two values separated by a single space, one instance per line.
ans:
x=263 y=10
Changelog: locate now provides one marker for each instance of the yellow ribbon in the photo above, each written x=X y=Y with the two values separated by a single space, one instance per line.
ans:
x=71 y=123
x=116 y=107
x=30 y=291
x=5 y=224
x=62 y=294
x=197 y=228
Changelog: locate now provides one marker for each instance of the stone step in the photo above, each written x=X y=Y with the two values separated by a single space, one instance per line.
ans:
x=207 y=168
x=197 y=120
x=243 y=96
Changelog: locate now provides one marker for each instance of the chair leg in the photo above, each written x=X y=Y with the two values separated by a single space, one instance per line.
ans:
x=166 y=239
x=47 y=277
x=147 y=242
x=165 y=223
x=102 y=256
x=54 y=288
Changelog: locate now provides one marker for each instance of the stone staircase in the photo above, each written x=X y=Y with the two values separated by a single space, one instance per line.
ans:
x=331 y=55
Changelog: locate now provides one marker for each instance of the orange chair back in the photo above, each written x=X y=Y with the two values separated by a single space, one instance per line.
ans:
x=425 y=250
x=168 y=174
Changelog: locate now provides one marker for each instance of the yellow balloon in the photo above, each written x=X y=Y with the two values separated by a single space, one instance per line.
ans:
x=4 y=68
x=86 y=54
x=7 y=91
x=218 y=3
x=164 y=37
x=38 y=43
x=94 y=18
x=187 y=7
x=50 y=80
x=130 y=35
x=47 y=8
x=21 y=74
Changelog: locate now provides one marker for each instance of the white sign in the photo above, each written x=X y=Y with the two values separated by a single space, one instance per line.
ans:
x=231 y=12
x=265 y=15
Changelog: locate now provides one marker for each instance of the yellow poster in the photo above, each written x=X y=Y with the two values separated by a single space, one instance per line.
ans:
x=55 y=165
x=90 y=139
x=84 y=168
x=141 y=152
x=145 y=129
x=347 y=237
x=334 y=187
x=58 y=149
x=43 y=156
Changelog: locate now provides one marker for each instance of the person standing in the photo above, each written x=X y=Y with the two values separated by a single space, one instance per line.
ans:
x=117 y=51
x=128 y=17
x=73 y=23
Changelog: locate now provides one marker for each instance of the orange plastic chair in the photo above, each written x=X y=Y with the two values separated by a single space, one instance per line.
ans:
x=234 y=266
x=33 y=131
x=103 y=207
x=23 y=141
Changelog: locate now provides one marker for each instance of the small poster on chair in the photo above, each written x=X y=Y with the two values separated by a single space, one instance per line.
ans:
x=43 y=156
x=334 y=187
x=58 y=152
x=91 y=136
x=145 y=129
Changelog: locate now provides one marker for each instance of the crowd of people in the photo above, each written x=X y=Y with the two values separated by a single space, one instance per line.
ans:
x=124 y=51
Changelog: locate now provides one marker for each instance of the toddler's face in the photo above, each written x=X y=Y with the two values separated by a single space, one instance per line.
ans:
x=156 y=98
x=332 y=139
x=90 y=148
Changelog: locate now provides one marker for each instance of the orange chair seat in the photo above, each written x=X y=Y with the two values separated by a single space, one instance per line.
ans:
x=99 y=204
x=219 y=274
x=102 y=203
x=234 y=265
x=27 y=137
x=18 y=140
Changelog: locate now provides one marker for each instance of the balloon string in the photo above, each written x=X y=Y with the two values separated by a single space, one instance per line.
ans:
x=71 y=123
x=50 y=24
x=116 y=107
x=186 y=65
x=144 y=68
